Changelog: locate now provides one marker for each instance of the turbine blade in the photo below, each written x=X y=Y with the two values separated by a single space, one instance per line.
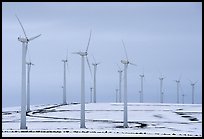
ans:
x=180 y=77
x=89 y=66
x=75 y=52
x=125 y=50
x=181 y=88
x=144 y=78
x=88 y=41
x=32 y=38
x=143 y=70
x=190 y=81
x=160 y=73
x=195 y=82
x=67 y=55
x=119 y=67
x=21 y=26
x=67 y=67
x=133 y=64
x=94 y=59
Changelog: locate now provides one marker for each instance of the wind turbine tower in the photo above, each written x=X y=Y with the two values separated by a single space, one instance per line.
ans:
x=91 y=89
x=141 y=92
x=161 y=89
x=140 y=99
x=177 y=82
x=64 y=82
x=125 y=62
x=83 y=54
x=24 y=41
x=94 y=88
x=183 y=98
x=29 y=64
x=116 y=99
x=120 y=81
x=193 y=87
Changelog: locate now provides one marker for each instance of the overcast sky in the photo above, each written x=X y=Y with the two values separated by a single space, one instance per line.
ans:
x=161 y=38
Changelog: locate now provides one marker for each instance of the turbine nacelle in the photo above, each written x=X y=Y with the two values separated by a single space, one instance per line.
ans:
x=120 y=71
x=178 y=81
x=65 y=60
x=161 y=78
x=23 y=40
x=81 y=53
x=142 y=75
x=125 y=61
x=29 y=63
x=26 y=40
x=95 y=64
x=193 y=84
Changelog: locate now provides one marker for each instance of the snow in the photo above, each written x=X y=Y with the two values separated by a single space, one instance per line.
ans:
x=106 y=119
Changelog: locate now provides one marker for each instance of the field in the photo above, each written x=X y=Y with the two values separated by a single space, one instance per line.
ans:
x=106 y=119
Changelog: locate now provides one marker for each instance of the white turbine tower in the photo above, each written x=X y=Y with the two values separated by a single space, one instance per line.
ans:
x=193 y=87
x=64 y=81
x=141 y=91
x=83 y=54
x=116 y=93
x=91 y=97
x=177 y=88
x=140 y=99
x=29 y=64
x=161 y=89
x=62 y=92
x=24 y=41
x=95 y=64
x=120 y=79
x=183 y=98
x=125 y=62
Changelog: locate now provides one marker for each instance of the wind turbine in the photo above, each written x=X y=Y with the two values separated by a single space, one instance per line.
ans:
x=178 y=83
x=116 y=100
x=83 y=54
x=161 y=89
x=120 y=79
x=125 y=62
x=24 y=41
x=29 y=64
x=95 y=64
x=64 y=81
x=193 y=86
x=141 y=92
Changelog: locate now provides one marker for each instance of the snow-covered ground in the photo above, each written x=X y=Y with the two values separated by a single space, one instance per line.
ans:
x=106 y=119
